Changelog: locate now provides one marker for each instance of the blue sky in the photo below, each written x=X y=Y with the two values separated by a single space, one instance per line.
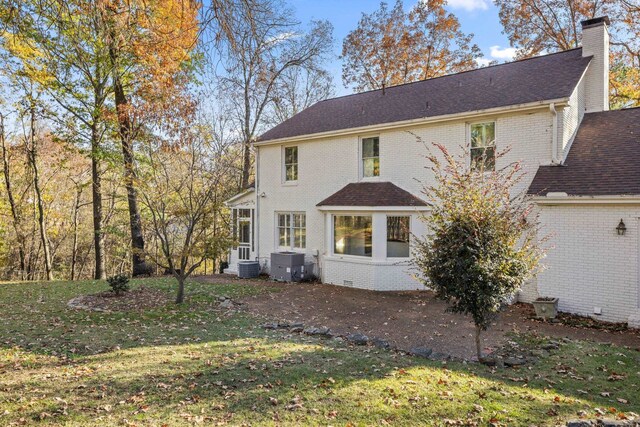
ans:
x=479 y=17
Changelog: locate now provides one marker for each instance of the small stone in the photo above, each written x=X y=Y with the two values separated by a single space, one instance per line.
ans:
x=616 y=423
x=358 y=339
x=269 y=325
x=579 y=423
x=297 y=325
x=296 y=329
x=316 y=331
x=226 y=304
x=222 y=298
x=380 y=343
x=283 y=324
x=513 y=361
x=551 y=346
x=421 y=351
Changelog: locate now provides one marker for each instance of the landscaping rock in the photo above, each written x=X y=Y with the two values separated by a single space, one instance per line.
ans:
x=358 y=339
x=616 y=423
x=316 y=331
x=296 y=329
x=514 y=361
x=297 y=325
x=421 y=352
x=579 y=423
x=227 y=304
x=439 y=356
x=380 y=343
x=269 y=325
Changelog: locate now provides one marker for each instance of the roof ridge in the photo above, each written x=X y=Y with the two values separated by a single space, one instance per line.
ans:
x=452 y=74
x=613 y=111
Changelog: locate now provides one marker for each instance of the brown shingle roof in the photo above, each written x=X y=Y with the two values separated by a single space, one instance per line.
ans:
x=535 y=79
x=372 y=194
x=604 y=159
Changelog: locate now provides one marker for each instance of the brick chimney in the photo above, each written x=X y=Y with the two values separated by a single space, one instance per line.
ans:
x=595 y=43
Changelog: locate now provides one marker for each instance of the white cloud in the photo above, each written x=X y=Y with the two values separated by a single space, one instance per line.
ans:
x=507 y=53
x=483 y=62
x=468 y=5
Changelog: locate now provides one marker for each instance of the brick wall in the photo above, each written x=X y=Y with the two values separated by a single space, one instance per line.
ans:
x=590 y=265
x=327 y=165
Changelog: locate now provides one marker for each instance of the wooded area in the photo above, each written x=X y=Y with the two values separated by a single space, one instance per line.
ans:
x=125 y=124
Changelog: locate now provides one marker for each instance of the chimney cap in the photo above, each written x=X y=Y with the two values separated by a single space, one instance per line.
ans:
x=595 y=22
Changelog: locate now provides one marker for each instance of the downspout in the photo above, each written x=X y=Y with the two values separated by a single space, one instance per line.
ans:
x=554 y=138
x=256 y=226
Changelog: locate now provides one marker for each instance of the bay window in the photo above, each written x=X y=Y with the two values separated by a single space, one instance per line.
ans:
x=352 y=235
x=398 y=232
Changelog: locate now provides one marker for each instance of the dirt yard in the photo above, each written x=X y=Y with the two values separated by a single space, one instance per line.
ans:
x=405 y=319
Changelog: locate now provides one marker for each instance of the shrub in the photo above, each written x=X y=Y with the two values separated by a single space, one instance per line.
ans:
x=119 y=283
x=483 y=243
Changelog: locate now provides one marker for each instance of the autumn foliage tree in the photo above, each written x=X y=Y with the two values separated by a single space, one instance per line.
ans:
x=537 y=26
x=482 y=243
x=391 y=47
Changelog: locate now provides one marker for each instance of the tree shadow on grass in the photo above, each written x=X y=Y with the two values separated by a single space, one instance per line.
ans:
x=292 y=380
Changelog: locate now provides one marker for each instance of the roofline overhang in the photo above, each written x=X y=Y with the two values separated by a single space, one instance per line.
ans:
x=373 y=208
x=240 y=195
x=587 y=200
x=559 y=102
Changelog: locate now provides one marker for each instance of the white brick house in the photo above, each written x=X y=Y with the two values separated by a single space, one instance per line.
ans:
x=341 y=181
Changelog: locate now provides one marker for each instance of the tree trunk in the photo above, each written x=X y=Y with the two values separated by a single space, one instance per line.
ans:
x=74 y=248
x=246 y=164
x=96 y=190
x=139 y=266
x=12 y=203
x=180 y=296
x=478 y=344
x=32 y=152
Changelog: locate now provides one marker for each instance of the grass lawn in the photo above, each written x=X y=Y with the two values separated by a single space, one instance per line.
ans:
x=196 y=364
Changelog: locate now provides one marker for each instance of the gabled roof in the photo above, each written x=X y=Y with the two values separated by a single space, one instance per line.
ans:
x=541 y=78
x=372 y=194
x=604 y=159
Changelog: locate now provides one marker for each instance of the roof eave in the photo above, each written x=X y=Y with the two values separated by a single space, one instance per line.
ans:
x=373 y=208
x=240 y=195
x=559 y=102
x=622 y=199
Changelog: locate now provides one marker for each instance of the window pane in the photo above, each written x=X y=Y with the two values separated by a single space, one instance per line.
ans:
x=483 y=135
x=283 y=237
x=299 y=220
x=299 y=239
x=370 y=147
x=244 y=229
x=291 y=155
x=283 y=220
x=352 y=235
x=398 y=232
x=292 y=172
x=483 y=159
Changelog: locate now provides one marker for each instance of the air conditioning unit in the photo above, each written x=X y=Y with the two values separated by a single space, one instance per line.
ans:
x=287 y=266
x=248 y=269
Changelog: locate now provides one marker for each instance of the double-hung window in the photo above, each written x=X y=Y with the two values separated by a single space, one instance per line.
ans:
x=483 y=146
x=370 y=157
x=292 y=230
x=290 y=164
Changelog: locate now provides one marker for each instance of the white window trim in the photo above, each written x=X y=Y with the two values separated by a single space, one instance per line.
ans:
x=376 y=235
x=495 y=131
x=284 y=166
x=361 y=160
x=289 y=248
x=332 y=232
x=400 y=259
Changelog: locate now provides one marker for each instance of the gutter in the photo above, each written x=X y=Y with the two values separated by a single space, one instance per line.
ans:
x=560 y=102
x=554 y=139
x=563 y=199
